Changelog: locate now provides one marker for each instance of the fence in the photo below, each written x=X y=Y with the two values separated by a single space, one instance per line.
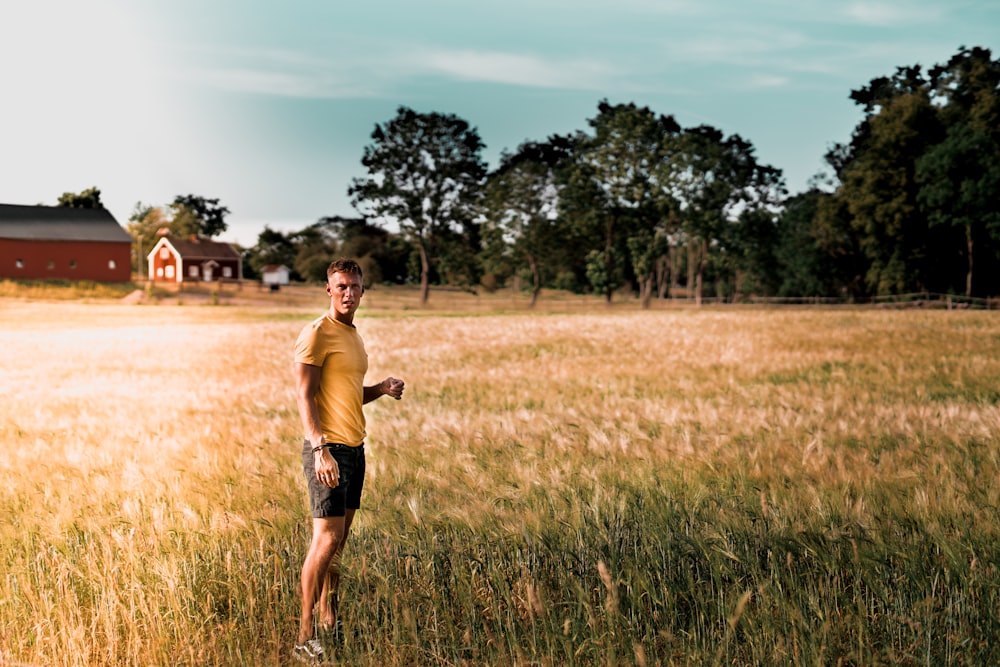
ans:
x=914 y=300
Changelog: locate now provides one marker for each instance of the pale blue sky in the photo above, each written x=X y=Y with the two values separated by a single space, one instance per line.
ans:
x=268 y=105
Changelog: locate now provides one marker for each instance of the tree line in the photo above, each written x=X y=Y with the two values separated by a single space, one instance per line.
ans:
x=638 y=203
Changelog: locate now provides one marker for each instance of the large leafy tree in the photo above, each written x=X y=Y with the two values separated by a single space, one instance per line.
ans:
x=959 y=182
x=425 y=173
x=623 y=168
x=805 y=268
x=749 y=233
x=920 y=176
x=728 y=204
x=194 y=215
x=522 y=209
x=89 y=198
x=959 y=177
x=880 y=188
x=835 y=236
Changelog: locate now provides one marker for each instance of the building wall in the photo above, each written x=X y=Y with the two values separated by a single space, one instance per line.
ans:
x=101 y=261
x=194 y=270
x=278 y=277
x=164 y=266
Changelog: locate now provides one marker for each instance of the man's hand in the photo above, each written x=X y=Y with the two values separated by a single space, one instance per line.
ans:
x=327 y=470
x=392 y=387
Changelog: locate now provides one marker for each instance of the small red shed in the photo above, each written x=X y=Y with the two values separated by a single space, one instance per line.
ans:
x=59 y=242
x=194 y=260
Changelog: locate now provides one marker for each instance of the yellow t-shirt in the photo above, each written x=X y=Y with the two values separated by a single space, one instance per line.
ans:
x=337 y=348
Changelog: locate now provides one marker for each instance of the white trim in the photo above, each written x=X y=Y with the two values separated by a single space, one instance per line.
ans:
x=164 y=242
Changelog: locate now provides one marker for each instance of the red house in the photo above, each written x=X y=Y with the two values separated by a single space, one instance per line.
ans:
x=194 y=260
x=58 y=242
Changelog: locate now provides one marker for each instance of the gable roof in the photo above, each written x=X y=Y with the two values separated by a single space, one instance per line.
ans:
x=59 y=223
x=201 y=249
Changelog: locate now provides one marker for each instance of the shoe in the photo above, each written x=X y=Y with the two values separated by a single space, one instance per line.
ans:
x=311 y=652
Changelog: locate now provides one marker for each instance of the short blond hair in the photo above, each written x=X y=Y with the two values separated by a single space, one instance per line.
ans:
x=344 y=265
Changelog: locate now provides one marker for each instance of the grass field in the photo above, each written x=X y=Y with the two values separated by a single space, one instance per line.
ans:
x=583 y=487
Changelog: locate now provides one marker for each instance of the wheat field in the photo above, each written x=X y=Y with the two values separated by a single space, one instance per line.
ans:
x=599 y=487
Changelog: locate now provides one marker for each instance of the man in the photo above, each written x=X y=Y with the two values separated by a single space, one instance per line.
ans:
x=330 y=366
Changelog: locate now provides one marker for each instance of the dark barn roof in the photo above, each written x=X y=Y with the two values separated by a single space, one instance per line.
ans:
x=59 y=223
x=203 y=249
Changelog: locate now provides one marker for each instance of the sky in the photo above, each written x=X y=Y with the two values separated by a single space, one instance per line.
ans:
x=267 y=106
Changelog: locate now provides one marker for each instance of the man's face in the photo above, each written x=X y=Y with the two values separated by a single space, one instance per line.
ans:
x=345 y=290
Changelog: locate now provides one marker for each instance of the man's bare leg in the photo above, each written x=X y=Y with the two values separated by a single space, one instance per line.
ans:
x=327 y=539
x=328 y=612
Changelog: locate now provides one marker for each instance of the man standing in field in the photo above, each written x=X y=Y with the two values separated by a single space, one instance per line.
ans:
x=330 y=366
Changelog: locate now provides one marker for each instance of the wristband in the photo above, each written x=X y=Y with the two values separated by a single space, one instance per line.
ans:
x=319 y=447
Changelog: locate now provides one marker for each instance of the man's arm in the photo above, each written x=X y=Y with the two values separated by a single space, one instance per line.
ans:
x=387 y=387
x=306 y=387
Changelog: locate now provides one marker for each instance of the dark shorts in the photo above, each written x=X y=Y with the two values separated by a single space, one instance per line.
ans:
x=327 y=502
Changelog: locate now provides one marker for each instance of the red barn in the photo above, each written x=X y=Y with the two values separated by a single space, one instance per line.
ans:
x=194 y=260
x=58 y=242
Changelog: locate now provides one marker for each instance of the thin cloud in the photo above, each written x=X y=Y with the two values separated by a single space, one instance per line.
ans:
x=738 y=45
x=516 y=69
x=763 y=81
x=291 y=74
x=890 y=14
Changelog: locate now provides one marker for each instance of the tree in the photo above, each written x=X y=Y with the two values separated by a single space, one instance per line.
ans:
x=833 y=230
x=272 y=248
x=649 y=250
x=425 y=171
x=805 y=267
x=143 y=225
x=89 y=198
x=619 y=194
x=959 y=177
x=749 y=249
x=626 y=167
x=375 y=249
x=920 y=176
x=522 y=208
x=198 y=216
x=314 y=246
x=728 y=202
x=880 y=189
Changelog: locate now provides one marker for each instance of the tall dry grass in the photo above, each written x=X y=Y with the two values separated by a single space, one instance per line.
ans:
x=618 y=487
